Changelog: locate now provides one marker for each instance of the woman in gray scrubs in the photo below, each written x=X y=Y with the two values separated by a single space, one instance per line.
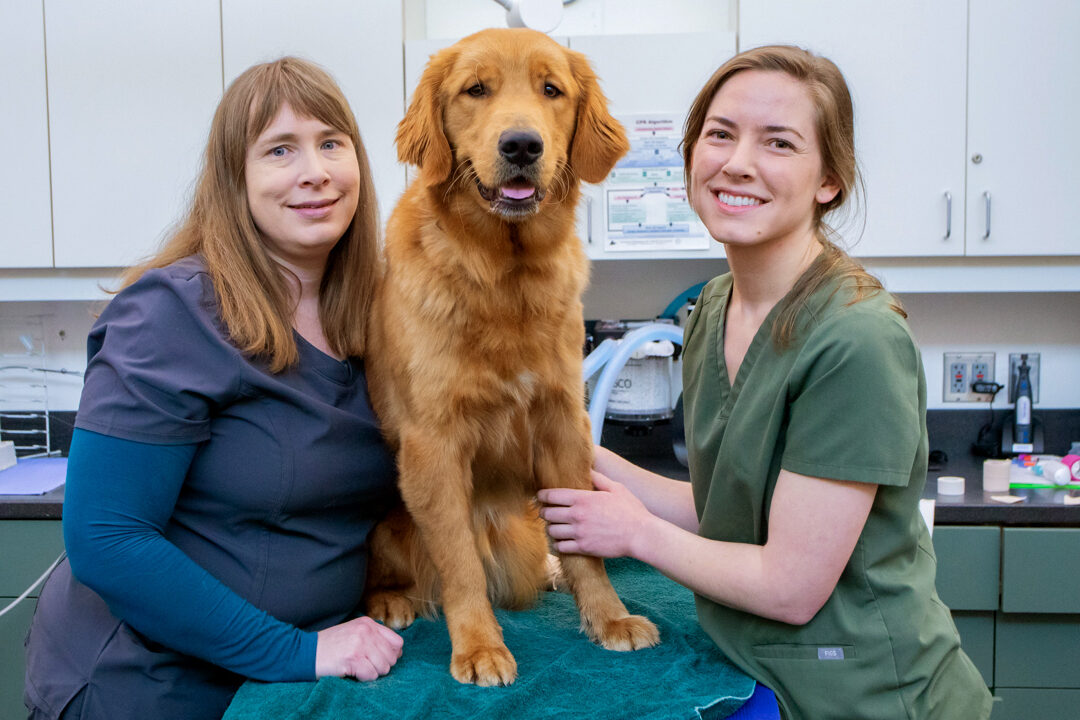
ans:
x=227 y=468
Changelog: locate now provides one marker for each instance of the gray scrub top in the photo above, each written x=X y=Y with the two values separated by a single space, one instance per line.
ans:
x=291 y=473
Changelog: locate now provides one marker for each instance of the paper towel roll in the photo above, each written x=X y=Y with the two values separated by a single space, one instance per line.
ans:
x=950 y=485
x=996 y=475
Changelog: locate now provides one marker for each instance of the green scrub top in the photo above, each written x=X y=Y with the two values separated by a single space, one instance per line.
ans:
x=845 y=401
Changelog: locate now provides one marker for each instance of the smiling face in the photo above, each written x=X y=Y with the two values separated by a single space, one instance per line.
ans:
x=303 y=183
x=509 y=115
x=756 y=170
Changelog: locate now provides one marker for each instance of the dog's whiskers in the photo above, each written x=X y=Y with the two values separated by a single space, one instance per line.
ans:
x=464 y=172
x=561 y=183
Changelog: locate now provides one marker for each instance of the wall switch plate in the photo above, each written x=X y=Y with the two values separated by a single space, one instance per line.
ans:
x=961 y=370
x=1033 y=373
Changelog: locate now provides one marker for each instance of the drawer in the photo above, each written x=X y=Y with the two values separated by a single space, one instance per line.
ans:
x=977 y=640
x=1037 y=651
x=29 y=547
x=1040 y=570
x=968 y=566
x=1028 y=704
x=13 y=627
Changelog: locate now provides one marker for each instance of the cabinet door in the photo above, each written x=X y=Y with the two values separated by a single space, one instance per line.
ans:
x=968 y=566
x=1029 y=703
x=1021 y=106
x=132 y=88
x=359 y=42
x=26 y=234
x=905 y=66
x=13 y=629
x=1040 y=570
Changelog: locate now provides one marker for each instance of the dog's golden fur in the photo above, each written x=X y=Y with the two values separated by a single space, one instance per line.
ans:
x=474 y=364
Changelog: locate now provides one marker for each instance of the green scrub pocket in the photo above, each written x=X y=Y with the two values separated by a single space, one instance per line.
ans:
x=825 y=653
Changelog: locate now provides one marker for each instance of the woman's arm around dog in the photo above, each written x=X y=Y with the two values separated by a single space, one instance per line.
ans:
x=814 y=525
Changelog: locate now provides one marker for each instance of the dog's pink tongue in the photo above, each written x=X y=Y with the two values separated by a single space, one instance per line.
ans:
x=517 y=193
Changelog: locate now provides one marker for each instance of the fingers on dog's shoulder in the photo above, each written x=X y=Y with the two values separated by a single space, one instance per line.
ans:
x=558 y=496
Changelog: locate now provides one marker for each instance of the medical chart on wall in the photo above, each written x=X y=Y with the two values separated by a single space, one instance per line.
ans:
x=645 y=197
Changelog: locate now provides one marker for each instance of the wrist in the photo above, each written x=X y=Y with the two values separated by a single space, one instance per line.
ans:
x=644 y=542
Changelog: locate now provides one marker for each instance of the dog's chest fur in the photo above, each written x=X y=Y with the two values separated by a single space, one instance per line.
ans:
x=492 y=323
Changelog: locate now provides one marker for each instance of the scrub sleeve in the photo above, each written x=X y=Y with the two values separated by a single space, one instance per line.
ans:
x=846 y=401
x=287 y=475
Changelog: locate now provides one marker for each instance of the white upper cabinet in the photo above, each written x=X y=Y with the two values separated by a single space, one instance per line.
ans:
x=1023 y=104
x=905 y=66
x=132 y=87
x=958 y=97
x=26 y=233
x=359 y=42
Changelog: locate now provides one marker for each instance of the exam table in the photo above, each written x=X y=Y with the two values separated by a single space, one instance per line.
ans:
x=561 y=674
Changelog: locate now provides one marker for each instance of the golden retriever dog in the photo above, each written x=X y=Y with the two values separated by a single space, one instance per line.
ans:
x=475 y=358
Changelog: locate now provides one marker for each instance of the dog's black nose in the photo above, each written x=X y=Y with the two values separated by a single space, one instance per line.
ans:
x=521 y=147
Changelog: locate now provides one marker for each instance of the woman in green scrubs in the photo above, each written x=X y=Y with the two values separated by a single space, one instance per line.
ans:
x=805 y=404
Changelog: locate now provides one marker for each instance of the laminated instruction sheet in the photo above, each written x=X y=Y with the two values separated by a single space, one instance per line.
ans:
x=645 y=200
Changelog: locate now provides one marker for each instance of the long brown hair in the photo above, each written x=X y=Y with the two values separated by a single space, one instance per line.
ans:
x=835 y=127
x=252 y=294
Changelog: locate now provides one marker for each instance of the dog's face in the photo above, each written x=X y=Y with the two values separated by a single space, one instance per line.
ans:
x=508 y=117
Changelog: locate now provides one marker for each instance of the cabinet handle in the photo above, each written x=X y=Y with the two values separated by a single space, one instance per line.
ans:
x=987 y=196
x=588 y=219
x=948 y=216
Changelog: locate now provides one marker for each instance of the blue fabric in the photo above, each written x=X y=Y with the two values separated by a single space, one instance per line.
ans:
x=119 y=497
x=762 y=705
x=561 y=674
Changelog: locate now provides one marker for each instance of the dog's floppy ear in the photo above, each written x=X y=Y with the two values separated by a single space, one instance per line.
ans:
x=599 y=139
x=420 y=138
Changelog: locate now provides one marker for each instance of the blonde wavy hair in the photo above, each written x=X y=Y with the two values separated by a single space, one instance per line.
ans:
x=252 y=293
x=835 y=128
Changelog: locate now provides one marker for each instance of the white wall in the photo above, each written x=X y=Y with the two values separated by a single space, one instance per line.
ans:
x=57 y=333
x=443 y=19
x=1002 y=323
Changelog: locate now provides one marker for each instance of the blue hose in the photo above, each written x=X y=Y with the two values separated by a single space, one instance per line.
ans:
x=616 y=356
x=681 y=299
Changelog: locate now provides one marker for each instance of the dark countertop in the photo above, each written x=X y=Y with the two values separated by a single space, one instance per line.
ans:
x=950 y=432
x=32 y=507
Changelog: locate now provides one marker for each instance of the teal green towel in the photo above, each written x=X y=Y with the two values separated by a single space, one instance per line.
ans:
x=561 y=674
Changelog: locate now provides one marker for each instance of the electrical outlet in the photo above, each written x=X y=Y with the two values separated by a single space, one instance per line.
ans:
x=957 y=378
x=1033 y=373
x=980 y=372
x=963 y=369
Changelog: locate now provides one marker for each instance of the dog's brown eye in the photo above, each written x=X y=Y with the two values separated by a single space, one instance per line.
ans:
x=476 y=90
x=551 y=91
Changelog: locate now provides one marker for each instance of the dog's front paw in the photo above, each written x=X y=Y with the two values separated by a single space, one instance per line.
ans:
x=392 y=609
x=632 y=632
x=553 y=572
x=486 y=666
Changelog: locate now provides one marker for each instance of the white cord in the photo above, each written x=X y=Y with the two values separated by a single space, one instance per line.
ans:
x=30 y=589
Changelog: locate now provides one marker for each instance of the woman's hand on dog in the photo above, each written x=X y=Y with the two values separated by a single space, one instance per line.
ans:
x=360 y=648
x=605 y=522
